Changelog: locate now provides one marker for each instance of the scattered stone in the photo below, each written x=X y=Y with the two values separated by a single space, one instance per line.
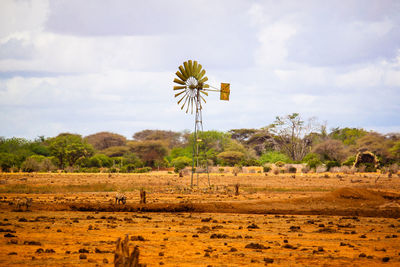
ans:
x=233 y=250
x=9 y=235
x=253 y=226
x=137 y=238
x=268 y=260
x=256 y=246
x=362 y=255
x=385 y=259
x=161 y=254
x=83 y=250
x=32 y=243
x=105 y=260
x=82 y=256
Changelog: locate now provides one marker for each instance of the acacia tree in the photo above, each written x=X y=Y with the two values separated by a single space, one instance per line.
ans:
x=331 y=150
x=291 y=135
x=104 y=140
x=68 y=148
x=150 y=152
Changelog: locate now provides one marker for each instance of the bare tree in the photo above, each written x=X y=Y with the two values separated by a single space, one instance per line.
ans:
x=292 y=135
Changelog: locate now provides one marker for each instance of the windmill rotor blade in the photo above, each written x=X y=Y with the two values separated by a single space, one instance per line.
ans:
x=187 y=69
x=188 y=105
x=182 y=69
x=179 y=87
x=182 y=98
x=204 y=92
x=203 y=80
x=180 y=75
x=203 y=100
x=195 y=65
x=179 y=81
x=190 y=63
x=179 y=93
x=201 y=74
x=184 y=102
x=206 y=86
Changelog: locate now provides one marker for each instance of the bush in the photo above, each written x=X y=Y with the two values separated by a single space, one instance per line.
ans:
x=267 y=168
x=221 y=170
x=181 y=162
x=349 y=161
x=369 y=167
x=330 y=164
x=128 y=168
x=30 y=165
x=279 y=163
x=291 y=169
x=142 y=170
x=99 y=160
x=305 y=169
x=312 y=160
x=273 y=156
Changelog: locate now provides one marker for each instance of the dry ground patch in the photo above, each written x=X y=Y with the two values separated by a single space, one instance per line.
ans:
x=309 y=220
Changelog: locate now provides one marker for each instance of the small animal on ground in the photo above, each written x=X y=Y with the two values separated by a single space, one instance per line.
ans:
x=24 y=202
x=119 y=197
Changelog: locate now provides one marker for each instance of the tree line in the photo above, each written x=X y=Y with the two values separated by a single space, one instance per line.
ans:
x=289 y=139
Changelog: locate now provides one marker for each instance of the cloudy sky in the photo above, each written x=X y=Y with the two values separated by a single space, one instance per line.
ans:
x=90 y=66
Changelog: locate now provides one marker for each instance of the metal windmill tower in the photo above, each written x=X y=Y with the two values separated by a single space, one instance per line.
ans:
x=192 y=89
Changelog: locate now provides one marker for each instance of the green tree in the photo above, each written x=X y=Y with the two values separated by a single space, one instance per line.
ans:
x=68 y=148
x=274 y=156
x=99 y=160
x=348 y=136
x=181 y=162
x=230 y=158
x=395 y=150
x=312 y=160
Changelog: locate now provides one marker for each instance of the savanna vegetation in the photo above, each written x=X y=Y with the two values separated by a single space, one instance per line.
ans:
x=288 y=140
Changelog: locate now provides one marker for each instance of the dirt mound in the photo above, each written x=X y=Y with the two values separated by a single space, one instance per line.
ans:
x=356 y=193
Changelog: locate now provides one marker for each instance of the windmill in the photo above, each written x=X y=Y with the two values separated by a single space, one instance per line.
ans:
x=191 y=92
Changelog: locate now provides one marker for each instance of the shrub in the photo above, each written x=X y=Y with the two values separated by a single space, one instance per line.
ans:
x=305 y=169
x=142 y=170
x=276 y=171
x=99 y=160
x=30 y=165
x=279 y=163
x=291 y=169
x=181 y=162
x=273 y=156
x=330 y=164
x=128 y=168
x=349 y=161
x=267 y=168
x=312 y=160
x=221 y=170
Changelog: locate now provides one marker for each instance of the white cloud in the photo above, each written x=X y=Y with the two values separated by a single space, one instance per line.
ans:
x=20 y=16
